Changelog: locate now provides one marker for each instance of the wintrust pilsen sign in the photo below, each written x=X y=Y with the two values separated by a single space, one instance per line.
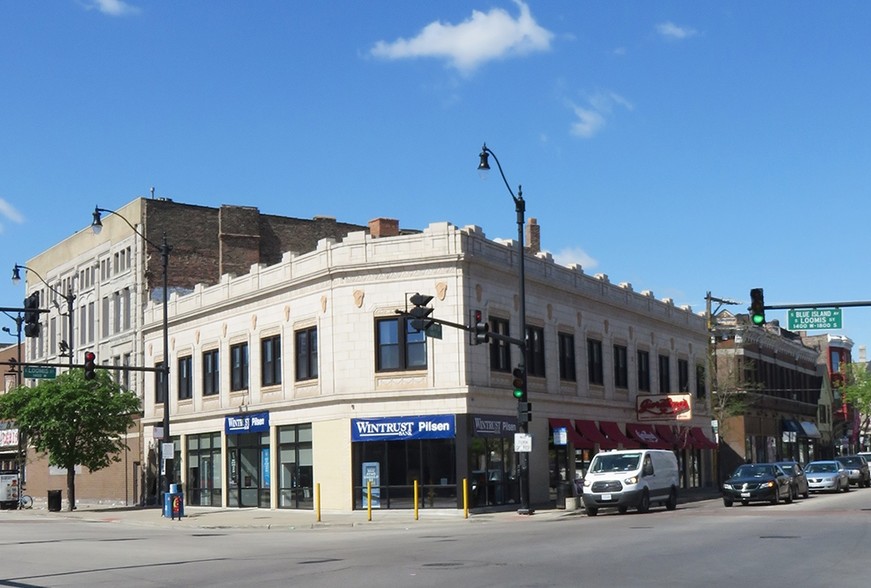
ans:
x=256 y=422
x=663 y=407
x=403 y=428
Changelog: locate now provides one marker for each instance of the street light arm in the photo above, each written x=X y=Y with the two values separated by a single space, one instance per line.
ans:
x=16 y=277
x=97 y=225
x=485 y=166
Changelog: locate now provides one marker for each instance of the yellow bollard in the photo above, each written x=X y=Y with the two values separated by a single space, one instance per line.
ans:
x=318 y=499
x=465 y=498
x=369 y=500
x=415 y=500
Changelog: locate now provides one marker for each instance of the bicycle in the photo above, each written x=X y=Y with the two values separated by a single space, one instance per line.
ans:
x=25 y=501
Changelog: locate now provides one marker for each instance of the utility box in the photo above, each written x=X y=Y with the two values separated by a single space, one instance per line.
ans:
x=55 y=500
x=173 y=503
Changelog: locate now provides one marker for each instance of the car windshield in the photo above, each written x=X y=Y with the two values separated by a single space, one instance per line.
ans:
x=819 y=468
x=624 y=462
x=850 y=461
x=753 y=471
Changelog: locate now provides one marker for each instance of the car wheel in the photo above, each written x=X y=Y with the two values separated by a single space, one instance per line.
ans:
x=868 y=483
x=622 y=509
x=806 y=494
x=847 y=487
x=727 y=502
x=793 y=493
x=671 y=503
x=789 y=497
x=591 y=511
x=644 y=503
x=776 y=498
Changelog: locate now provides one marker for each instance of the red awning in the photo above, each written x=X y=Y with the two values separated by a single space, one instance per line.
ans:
x=646 y=435
x=590 y=431
x=666 y=433
x=577 y=440
x=616 y=435
x=700 y=440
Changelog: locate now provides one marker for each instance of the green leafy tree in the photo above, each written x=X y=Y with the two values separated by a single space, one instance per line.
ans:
x=73 y=420
x=855 y=387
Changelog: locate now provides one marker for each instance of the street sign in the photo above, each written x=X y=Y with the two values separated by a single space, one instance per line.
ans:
x=814 y=318
x=40 y=371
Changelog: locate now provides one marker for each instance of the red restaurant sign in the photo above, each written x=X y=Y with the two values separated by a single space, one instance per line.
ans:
x=663 y=407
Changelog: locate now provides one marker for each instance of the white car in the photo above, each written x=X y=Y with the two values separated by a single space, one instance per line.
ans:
x=826 y=476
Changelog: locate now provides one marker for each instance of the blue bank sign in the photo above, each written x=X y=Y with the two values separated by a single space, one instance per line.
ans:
x=439 y=426
x=256 y=422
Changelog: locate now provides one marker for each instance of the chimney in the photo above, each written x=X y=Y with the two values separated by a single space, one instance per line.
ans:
x=533 y=236
x=384 y=227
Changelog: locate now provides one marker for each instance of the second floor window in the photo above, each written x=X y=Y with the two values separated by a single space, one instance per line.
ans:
x=185 y=379
x=683 y=375
x=594 y=362
x=400 y=347
x=535 y=351
x=567 y=357
x=270 y=361
x=664 y=374
x=307 y=354
x=621 y=367
x=701 y=388
x=239 y=366
x=159 y=383
x=643 y=371
x=211 y=373
x=500 y=351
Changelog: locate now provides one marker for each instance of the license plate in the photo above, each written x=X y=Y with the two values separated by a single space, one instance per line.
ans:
x=606 y=497
x=745 y=495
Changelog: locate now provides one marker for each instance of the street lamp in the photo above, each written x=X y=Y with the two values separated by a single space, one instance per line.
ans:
x=69 y=298
x=523 y=412
x=164 y=248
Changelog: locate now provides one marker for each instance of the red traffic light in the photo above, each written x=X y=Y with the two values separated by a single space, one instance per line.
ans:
x=90 y=365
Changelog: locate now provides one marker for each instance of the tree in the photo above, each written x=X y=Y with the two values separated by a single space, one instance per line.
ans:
x=73 y=420
x=855 y=387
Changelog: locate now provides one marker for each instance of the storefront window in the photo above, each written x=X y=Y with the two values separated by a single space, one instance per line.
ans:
x=295 y=467
x=203 y=486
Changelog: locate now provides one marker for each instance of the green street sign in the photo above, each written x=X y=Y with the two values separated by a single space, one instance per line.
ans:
x=814 y=318
x=40 y=371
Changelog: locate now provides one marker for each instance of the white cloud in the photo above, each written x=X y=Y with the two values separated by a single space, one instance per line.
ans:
x=481 y=38
x=113 y=7
x=673 y=31
x=591 y=117
x=9 y=211
x=571 y=255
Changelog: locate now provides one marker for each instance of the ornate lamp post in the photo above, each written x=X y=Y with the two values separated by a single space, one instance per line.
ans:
x=523 y=404
x=69 y=298
x=164 y=248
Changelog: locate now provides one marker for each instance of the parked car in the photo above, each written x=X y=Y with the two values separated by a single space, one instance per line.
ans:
x=827 y=476
x=857 y=469
x=754 y=482
x=794 y=470
x=631 y=478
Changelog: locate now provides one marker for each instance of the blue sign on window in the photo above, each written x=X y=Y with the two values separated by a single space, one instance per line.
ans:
x=440 y=426
x=257 y=422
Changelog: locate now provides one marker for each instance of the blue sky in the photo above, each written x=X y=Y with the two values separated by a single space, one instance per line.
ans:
x=683 y=147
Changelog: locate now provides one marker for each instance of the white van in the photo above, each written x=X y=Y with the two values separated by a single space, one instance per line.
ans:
x=631 y=478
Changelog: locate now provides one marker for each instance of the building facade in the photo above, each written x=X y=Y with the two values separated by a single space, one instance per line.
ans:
x=301 y=379
x=768 y=392
x=96 y=288
x=835 y=351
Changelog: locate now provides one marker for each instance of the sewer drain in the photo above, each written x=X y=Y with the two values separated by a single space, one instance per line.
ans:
x=446 y=564
x=319 y=561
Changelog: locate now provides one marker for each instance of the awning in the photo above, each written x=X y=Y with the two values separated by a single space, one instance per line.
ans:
x=646 y=435
x=616 y=435
x=576 y=439
x=793 y=426
x=699 y=440
x=590 y=431
x=810 y=430
x=667 y=434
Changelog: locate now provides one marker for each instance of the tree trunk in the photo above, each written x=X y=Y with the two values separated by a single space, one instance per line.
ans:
x=71 y=487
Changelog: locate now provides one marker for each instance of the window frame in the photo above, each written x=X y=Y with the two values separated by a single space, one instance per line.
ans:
x=211 y=359
x=621 y=366
x=500 y=350
x=184 y=379
x=305 y=354
x=239 y=366
x=270 y=361
x=664 y=373
x=595 y=367
x=535 y=357
x=407 y=343
x=567 y=362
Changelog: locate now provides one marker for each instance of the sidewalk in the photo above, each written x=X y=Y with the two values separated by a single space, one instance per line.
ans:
x=206 y=517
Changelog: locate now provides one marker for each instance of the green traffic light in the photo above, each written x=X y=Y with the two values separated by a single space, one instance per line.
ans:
x=518 y=393
x=757 y=319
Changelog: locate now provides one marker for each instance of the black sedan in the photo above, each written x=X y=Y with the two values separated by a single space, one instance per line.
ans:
x=794 y=470
x=755 y=482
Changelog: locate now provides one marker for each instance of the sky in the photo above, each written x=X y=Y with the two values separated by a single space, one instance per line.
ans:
x=683 y=147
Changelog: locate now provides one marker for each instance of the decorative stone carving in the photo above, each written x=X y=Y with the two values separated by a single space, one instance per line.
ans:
x=358 y=298
x=441 y=290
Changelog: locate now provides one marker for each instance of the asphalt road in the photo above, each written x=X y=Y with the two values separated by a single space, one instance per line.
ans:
x=819 y=541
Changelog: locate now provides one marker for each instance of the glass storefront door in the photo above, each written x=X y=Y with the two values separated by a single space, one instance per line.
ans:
x=248 y=483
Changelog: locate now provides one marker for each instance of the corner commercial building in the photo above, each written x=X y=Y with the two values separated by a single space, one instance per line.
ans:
x=299 y=377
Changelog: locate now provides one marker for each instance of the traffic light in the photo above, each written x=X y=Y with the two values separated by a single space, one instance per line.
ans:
x=519 y=384
x=90 y=365
x=31 y=315
x=757 y=306
x=482 y=330
x=420 y=312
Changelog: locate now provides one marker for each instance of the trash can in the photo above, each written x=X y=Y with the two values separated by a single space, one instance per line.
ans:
x=173 y=503
x=563 y=491
x=54 y=500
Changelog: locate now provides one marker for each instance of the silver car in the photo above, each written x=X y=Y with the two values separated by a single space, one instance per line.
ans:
x=827 y=476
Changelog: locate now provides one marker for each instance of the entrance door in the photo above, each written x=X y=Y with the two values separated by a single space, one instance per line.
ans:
x=243 y=467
